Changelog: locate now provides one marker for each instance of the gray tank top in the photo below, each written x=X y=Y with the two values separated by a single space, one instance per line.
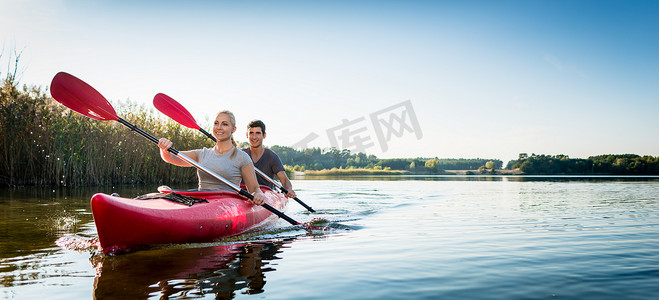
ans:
x=223 y=165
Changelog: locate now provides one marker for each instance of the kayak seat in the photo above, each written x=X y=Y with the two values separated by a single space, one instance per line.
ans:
x=178 y=198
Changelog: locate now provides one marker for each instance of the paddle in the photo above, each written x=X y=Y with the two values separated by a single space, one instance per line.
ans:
x=84 y=99
x=170 y=107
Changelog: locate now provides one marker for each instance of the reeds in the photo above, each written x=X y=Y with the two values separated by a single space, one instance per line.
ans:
x=45 y=143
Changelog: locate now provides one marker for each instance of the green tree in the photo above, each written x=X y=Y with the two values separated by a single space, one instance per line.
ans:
x=490 y=165
x=431 y=165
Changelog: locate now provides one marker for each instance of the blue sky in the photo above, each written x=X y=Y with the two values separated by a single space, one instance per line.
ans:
x=488 y=79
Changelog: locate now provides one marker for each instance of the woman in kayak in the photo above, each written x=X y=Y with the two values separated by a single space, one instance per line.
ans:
x=224 y=159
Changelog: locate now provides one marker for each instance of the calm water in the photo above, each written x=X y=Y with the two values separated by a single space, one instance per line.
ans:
x=392 y=238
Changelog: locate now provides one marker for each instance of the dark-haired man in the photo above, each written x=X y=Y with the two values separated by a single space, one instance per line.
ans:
x=265 y=159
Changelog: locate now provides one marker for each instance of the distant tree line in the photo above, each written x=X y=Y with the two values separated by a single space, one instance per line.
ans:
x=319 y=159
x=621 y=164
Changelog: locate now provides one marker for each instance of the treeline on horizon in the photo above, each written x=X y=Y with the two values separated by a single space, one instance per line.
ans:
x=45 y=143
x=319 y=159
x=611 y=164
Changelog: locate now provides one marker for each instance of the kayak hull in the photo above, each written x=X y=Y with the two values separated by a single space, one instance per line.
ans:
x=126 y=225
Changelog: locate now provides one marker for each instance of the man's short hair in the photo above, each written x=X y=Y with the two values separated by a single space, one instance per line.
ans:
x=256 y=123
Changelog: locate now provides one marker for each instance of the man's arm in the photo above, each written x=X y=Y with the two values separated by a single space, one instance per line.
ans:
x=286 y=183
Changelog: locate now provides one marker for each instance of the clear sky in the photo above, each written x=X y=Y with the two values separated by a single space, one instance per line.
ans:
x=448 y=79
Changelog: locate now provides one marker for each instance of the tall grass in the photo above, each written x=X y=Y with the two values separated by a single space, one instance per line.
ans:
x=45 y=143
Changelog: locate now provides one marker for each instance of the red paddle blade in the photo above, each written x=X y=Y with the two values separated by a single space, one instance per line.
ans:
x=81 y=97
x=168 y=106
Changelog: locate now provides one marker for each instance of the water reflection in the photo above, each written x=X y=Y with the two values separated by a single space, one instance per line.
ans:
x=174 y=273
x=32 y=219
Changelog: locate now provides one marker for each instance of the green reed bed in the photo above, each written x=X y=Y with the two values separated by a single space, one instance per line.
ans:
x=45 y=143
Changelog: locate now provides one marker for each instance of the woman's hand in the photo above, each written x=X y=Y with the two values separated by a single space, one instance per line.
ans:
x=164 y=144
x=259 y=198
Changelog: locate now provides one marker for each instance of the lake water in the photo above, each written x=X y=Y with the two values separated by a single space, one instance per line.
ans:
x=384 y=238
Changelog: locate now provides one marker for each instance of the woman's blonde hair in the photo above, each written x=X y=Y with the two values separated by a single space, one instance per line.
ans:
x=232 y=118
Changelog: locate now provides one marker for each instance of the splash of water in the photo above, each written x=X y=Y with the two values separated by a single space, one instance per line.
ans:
x=79 y=244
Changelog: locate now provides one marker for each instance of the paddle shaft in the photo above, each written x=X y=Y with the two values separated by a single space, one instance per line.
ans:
x=207 y=171
x=283 y=189
x=208 y=134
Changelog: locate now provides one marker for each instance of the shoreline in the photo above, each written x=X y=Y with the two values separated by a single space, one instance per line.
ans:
x=449 y=173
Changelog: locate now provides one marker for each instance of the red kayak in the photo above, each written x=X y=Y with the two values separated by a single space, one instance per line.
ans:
x=126 y=225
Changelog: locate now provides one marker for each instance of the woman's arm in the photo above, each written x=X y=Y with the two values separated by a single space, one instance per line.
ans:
x=164 y=144
x=249 y=177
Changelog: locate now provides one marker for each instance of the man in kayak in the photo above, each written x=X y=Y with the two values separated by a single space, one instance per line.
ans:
x=265 y=159
x=224 y=159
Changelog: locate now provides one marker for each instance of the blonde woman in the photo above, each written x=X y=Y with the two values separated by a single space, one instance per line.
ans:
x=223 y=159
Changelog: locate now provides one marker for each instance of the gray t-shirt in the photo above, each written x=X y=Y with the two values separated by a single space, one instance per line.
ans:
x=223 y=165
x=269 y=163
